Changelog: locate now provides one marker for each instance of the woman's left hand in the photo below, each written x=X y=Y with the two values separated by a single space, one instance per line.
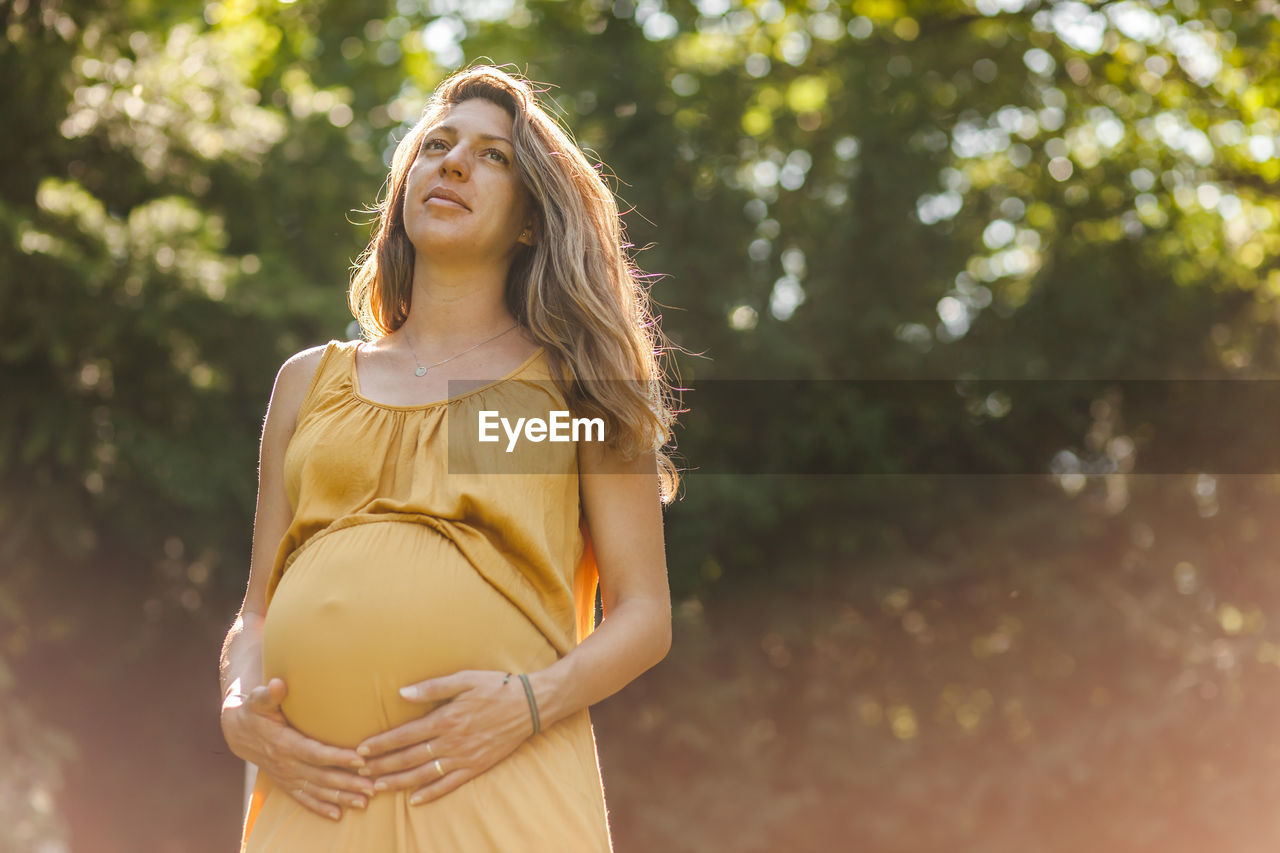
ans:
x=484 y=721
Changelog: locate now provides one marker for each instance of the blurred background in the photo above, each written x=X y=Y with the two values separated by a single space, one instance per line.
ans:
x=1056 y=630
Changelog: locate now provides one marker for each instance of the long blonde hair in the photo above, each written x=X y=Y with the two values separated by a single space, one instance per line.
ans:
x=576 y=290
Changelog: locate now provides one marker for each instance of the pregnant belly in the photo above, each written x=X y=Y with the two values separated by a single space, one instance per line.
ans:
x=368 y=609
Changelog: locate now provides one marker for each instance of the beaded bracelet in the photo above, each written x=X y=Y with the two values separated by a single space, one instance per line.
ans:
x=533 y=706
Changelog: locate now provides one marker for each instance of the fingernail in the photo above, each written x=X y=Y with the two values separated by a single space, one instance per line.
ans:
x=416 y=800
x=379 y=785
x=335 y=814
x=409 y=692
x=359 y=803
x=363 y=771
x=363 y=750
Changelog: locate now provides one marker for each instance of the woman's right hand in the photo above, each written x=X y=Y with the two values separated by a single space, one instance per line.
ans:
x=309 y=770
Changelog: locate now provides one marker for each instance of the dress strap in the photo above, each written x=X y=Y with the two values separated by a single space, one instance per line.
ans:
x=329 y=375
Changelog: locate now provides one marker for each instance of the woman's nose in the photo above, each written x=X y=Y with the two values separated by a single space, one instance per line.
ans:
x=454 y=161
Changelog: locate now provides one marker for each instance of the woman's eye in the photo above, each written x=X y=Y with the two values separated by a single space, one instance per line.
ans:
x=431 y=142
x=501 y=157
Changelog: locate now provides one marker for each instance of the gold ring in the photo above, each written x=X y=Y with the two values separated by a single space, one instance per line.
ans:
x=439 y=769
x=304 y=785
x=430 y=751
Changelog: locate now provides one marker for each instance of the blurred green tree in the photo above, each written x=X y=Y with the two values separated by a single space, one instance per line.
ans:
x=869 y=189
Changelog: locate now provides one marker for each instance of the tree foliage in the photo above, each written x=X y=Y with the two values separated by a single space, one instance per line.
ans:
x=998 y=190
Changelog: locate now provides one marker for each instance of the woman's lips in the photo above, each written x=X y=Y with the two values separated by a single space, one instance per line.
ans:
x=444 y=201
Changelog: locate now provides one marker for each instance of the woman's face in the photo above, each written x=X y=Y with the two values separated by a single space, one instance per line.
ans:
x=467 y=154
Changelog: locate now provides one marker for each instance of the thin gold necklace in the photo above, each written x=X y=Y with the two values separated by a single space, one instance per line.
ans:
x=422 y=371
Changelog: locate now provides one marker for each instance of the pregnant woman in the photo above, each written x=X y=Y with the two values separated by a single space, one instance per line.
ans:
x=412 y=665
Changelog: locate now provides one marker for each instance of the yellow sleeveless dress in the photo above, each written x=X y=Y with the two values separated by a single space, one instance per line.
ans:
x=408 y=558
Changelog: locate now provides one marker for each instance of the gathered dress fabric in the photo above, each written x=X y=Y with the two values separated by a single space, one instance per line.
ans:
x=412 y=557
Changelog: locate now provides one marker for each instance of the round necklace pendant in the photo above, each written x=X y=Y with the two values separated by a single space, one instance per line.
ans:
x=421 y=371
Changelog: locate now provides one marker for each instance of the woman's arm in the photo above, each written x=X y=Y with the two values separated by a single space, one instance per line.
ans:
x=252 y=723
x=624 y=515
x=241 y=665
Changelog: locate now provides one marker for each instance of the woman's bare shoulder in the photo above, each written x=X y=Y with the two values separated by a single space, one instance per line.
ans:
x=292 y=381
x=300 y=368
